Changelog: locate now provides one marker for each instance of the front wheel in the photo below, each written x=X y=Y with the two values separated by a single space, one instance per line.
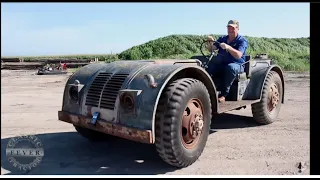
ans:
x=183 y=122
x=267 y=110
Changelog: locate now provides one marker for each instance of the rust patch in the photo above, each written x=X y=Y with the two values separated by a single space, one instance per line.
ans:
x=89 y=111
x=143 y=136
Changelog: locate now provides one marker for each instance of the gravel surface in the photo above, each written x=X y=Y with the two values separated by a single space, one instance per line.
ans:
x=236 y=146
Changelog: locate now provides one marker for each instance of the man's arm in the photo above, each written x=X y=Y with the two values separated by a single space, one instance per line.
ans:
x=236 y=53
x=214 y=45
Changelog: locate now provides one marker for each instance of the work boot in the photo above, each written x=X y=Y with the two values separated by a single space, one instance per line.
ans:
x=221 y=99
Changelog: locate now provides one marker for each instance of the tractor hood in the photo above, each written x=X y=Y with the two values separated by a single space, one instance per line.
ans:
x=85 y=74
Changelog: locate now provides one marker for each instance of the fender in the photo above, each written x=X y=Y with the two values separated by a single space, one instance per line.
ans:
x=257 y=80
x=147 y=87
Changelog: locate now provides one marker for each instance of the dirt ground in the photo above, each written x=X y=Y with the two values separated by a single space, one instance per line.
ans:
x=236 y=146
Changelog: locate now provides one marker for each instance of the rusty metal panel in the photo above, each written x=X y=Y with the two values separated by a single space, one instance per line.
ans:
x=143 y=136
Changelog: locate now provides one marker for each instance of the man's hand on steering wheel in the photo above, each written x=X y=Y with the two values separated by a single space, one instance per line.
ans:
x=210 y=41
x=210 y=38
x=210 y=44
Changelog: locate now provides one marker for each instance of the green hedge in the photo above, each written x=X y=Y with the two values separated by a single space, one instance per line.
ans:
x=291 y=54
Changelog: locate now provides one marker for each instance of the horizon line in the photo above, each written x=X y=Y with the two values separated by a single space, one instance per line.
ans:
x=105 y=54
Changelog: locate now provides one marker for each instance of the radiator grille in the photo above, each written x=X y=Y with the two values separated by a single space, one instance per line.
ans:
x=111 y=90
x=96 y=88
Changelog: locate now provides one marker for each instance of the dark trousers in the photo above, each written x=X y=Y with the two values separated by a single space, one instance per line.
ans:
x=226 y=71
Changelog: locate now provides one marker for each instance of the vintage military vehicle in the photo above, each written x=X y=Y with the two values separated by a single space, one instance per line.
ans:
x=169 y=103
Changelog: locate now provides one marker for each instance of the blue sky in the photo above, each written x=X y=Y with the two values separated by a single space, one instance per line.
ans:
x=33 y=29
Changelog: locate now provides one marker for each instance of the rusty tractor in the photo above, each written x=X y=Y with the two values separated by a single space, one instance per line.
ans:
x=169 y=103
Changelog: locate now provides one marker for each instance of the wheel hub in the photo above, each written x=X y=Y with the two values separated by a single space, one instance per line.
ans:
x=196 y=125
x=192 y=123
x=273 y=97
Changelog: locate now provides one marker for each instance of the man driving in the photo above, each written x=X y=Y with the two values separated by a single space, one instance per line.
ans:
x=231 y=54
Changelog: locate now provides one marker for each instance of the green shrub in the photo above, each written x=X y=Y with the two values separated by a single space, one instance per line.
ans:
x=291 y=54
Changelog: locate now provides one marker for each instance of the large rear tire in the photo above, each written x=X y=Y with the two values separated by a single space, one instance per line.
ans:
x=183 y=122
x=267 y=110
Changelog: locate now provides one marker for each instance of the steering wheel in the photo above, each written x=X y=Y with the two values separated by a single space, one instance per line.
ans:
x=212 y=53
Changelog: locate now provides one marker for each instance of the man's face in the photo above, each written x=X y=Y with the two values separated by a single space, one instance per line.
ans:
x=232 y=31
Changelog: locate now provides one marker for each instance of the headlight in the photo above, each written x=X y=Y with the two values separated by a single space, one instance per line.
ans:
x=127 y=101
x=73 y=93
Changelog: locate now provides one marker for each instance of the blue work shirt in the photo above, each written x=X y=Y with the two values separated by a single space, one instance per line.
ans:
x=240 y=43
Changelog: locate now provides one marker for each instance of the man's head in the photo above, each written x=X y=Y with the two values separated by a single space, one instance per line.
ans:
x=233 y=28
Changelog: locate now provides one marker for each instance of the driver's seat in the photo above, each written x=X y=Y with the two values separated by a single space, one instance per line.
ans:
x=241 y=81
x=247 y=69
